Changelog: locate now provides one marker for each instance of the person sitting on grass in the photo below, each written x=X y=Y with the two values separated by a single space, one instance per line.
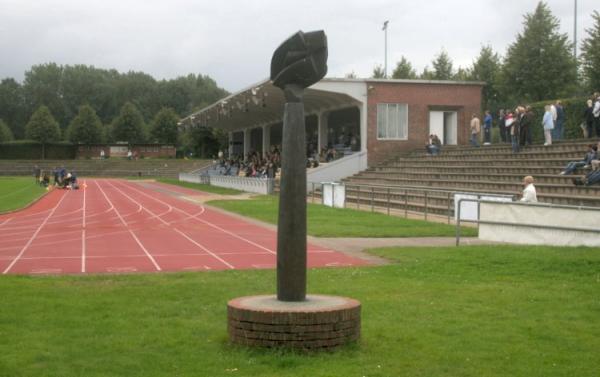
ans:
x=591 y=154
x=529 y=194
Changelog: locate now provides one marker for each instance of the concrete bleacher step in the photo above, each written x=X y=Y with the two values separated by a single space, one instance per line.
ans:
x=478 y=175
x=485 y=185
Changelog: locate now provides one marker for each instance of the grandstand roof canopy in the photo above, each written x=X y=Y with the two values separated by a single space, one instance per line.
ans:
x=263 y=103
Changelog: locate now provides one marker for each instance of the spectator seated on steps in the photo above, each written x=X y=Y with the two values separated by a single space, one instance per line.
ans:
x=592 y=178
x=529 y=194
x=434 y=145
x=592 y=154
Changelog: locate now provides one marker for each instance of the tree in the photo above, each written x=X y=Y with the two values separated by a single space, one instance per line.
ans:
x=426 y=74
x=12 y=106
x=43 y=87
x=351 y=75
x=487 y=68
x=5 y=133
x=463 y=74
x=539 y=64
x=203 y=141
x=404 y=70
x=442 y=67
x=590 y=54
x=129 y=126
x=378 y=72
x=164 y=126
x=86 y=127
x=42 y=127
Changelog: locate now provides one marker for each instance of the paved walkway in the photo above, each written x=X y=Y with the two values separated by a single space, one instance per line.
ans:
x=356 y=246
x=352 y=246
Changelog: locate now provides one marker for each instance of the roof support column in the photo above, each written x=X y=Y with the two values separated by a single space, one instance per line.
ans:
x=323 y=129
x=230 y=149
x=246 y=142
x=266 y=139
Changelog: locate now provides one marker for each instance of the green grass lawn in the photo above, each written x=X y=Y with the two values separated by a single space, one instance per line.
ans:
x=469 y=311
x=343 y=222
x=200 y=187
x=17 y=192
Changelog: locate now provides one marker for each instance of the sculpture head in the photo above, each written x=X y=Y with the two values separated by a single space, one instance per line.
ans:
x=300 y=60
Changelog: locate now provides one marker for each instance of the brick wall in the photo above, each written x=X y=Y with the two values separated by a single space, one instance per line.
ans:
x=421 y=98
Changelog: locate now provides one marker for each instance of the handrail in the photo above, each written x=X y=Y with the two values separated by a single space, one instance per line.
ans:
x=527 y=225
x=404 y=192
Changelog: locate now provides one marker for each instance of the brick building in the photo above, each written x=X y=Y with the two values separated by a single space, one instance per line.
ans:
x=367 y=120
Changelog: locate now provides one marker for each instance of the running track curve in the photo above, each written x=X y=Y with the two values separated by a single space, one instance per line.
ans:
x=117 y=226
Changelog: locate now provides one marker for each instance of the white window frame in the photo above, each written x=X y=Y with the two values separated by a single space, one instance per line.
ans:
x=387 y=126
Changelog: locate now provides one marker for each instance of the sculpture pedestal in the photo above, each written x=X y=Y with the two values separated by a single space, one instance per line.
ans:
x=318 y=323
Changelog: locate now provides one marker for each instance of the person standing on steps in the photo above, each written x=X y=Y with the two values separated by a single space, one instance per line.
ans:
x=596 y=113
x=588 y=118
x=558 y=132
x=502 y=126
x=487 y=128
x=548 y=123
x=475 y=130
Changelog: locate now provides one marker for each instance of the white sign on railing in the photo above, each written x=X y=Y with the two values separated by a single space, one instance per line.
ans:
x=469 y=210
x=334 y=194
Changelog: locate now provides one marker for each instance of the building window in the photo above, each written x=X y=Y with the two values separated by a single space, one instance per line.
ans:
x=392 y=121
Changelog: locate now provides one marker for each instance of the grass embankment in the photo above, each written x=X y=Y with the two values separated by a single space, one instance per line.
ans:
x=17 y=192
x=469 y=311
x=200 y=187
x=343 y=222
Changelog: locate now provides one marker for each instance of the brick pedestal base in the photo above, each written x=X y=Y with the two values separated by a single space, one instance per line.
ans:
x=320 y=322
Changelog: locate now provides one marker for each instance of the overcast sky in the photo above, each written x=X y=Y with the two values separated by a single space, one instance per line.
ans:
x=232 y=40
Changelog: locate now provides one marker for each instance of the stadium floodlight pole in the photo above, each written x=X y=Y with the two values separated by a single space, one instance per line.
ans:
x=575 y=33
x=385 y=28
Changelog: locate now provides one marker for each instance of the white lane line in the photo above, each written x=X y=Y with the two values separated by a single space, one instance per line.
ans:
x=208 y=223
x=130 y=231
x=5 y=222
x=204 y=248
x=83 y=231
x=33 y=236
x=177 y=230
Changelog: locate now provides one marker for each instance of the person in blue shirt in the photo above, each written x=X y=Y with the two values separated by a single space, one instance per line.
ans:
x=487 y=128
x=559 y=131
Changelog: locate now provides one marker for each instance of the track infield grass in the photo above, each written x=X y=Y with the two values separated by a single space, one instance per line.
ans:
x=18 y=192
x=343 y=222
x=468 y=311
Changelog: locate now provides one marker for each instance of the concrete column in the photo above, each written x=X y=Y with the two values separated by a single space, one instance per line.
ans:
x=363 y=126
x=246 y=141
x=230 y=149
x=323 y=135
x=266 y=139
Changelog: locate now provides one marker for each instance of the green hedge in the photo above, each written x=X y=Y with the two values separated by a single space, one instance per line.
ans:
x=574 y=109
x=32 y=150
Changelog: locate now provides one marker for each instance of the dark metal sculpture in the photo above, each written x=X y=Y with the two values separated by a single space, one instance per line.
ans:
x=297 y=63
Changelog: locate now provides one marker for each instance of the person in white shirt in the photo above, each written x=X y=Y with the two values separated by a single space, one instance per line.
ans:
x=596 y=114
x=529 y=194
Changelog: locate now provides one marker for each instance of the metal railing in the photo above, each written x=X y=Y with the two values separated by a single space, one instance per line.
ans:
x=367 y=193
x=478 y=221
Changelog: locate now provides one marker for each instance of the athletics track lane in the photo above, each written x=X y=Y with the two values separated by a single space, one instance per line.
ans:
x=115 y=226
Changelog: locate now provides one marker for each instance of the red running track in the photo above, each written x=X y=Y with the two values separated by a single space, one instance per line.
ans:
x=117 y=226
